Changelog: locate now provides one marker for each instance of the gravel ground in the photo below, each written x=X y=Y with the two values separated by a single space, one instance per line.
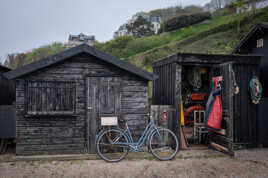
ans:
x=246 y=164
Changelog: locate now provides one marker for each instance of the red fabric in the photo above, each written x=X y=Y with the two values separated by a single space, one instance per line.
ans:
x=164 y=119
x=215 y=118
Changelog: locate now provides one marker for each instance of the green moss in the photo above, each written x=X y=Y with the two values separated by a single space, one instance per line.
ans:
x=12 y=164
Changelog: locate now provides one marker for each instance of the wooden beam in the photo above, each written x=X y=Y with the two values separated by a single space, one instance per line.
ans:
x=221 y=148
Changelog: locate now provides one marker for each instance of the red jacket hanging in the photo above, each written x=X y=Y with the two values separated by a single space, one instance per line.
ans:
x=214 y=107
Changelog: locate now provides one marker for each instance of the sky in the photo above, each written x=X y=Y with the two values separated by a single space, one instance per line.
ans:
x=28 y=24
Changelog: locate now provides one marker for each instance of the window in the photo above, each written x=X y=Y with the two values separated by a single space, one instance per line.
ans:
x=50 y=97
x=259 y=43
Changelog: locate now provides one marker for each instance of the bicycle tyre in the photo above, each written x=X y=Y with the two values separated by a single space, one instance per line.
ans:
x=109 y=150
x=171 y=142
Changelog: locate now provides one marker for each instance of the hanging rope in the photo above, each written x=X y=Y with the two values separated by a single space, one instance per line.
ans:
x=255 y=89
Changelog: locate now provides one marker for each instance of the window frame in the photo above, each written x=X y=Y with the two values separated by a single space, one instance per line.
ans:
x=49 y=87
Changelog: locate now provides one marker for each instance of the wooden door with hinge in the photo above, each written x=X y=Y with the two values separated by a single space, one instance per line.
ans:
x=225 y=136
x=103 y=99
x=226 y=70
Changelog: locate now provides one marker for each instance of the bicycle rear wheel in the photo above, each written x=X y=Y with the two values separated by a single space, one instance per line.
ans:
x=164 y=144
x=109 y=147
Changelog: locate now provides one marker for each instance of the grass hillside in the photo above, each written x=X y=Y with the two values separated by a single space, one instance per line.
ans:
x=217 y=36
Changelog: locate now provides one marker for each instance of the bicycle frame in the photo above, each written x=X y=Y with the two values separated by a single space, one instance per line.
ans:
x=136 y=146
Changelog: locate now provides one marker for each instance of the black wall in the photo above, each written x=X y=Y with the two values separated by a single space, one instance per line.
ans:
x=7 y=89
x=264 y=64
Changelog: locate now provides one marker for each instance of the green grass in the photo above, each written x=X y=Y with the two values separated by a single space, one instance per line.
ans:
x=218 y=36
x=133 y=46
x=212 y=44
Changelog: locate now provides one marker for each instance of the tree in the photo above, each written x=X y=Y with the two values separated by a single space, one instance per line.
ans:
x=140 y=27
x=15 y=60
x=240 y=6
x=20 y=59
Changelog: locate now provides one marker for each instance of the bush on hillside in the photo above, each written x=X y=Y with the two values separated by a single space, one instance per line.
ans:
x=17 y=60
x=116 y=46
x=178 y=22
x=220 y=12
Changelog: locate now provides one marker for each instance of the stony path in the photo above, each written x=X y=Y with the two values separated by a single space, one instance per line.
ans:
x=247 y=163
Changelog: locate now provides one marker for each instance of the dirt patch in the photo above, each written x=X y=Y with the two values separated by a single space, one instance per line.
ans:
x=248 y=163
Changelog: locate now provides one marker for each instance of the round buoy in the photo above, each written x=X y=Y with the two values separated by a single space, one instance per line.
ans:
x=191 y=109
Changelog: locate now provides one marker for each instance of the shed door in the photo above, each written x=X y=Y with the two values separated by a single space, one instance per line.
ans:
x=227 y=98
x=225 y=70
x=103 y=99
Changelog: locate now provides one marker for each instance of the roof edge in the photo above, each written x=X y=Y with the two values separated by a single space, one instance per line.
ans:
x=5 y=67
x=50 y=60
x=250 y=33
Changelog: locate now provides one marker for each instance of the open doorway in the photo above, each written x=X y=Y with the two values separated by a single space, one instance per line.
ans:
x=195 y=90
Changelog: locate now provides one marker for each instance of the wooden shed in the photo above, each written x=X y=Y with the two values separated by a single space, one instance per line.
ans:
x=7 y=88
x=7 y=99
x=178 y=80
x=60 y=99
x=256 y=43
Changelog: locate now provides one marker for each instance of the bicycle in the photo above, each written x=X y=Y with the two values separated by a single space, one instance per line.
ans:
x=114 y=144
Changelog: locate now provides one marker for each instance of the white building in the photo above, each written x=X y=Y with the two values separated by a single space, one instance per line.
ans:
x=249 y=5
x=122 y=31
x=75 y=40
x=156 y=22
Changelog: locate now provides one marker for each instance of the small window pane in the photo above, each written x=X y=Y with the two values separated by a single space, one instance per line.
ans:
x=259 y=43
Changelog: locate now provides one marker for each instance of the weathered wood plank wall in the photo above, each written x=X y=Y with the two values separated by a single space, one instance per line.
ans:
x=245 y=112
x=165 y=90
x=67 y=134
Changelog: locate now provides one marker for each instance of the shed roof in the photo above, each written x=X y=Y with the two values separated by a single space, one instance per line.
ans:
x=5 y=67
x=207 y=58
x=83 y=48
x=254 y=30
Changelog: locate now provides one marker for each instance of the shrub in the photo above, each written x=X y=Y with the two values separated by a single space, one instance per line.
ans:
x=116 y=46
x=220 y=12
x=178 y=22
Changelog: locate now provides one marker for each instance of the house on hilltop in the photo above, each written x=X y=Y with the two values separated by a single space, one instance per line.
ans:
x=122 y=31
x=75 y=40
x=154 y=20
x=248 y=5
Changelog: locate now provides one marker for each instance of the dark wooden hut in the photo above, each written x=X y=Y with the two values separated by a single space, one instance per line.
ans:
x=7 y=88
x=60 y=99
x=7 y=99
x=256 y=43
x=239 y=114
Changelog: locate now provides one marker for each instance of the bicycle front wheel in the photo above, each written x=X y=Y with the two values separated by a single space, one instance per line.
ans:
x=163 y=144
x=112 y=145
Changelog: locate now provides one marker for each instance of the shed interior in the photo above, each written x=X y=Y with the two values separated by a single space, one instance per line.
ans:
x=195 y=90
